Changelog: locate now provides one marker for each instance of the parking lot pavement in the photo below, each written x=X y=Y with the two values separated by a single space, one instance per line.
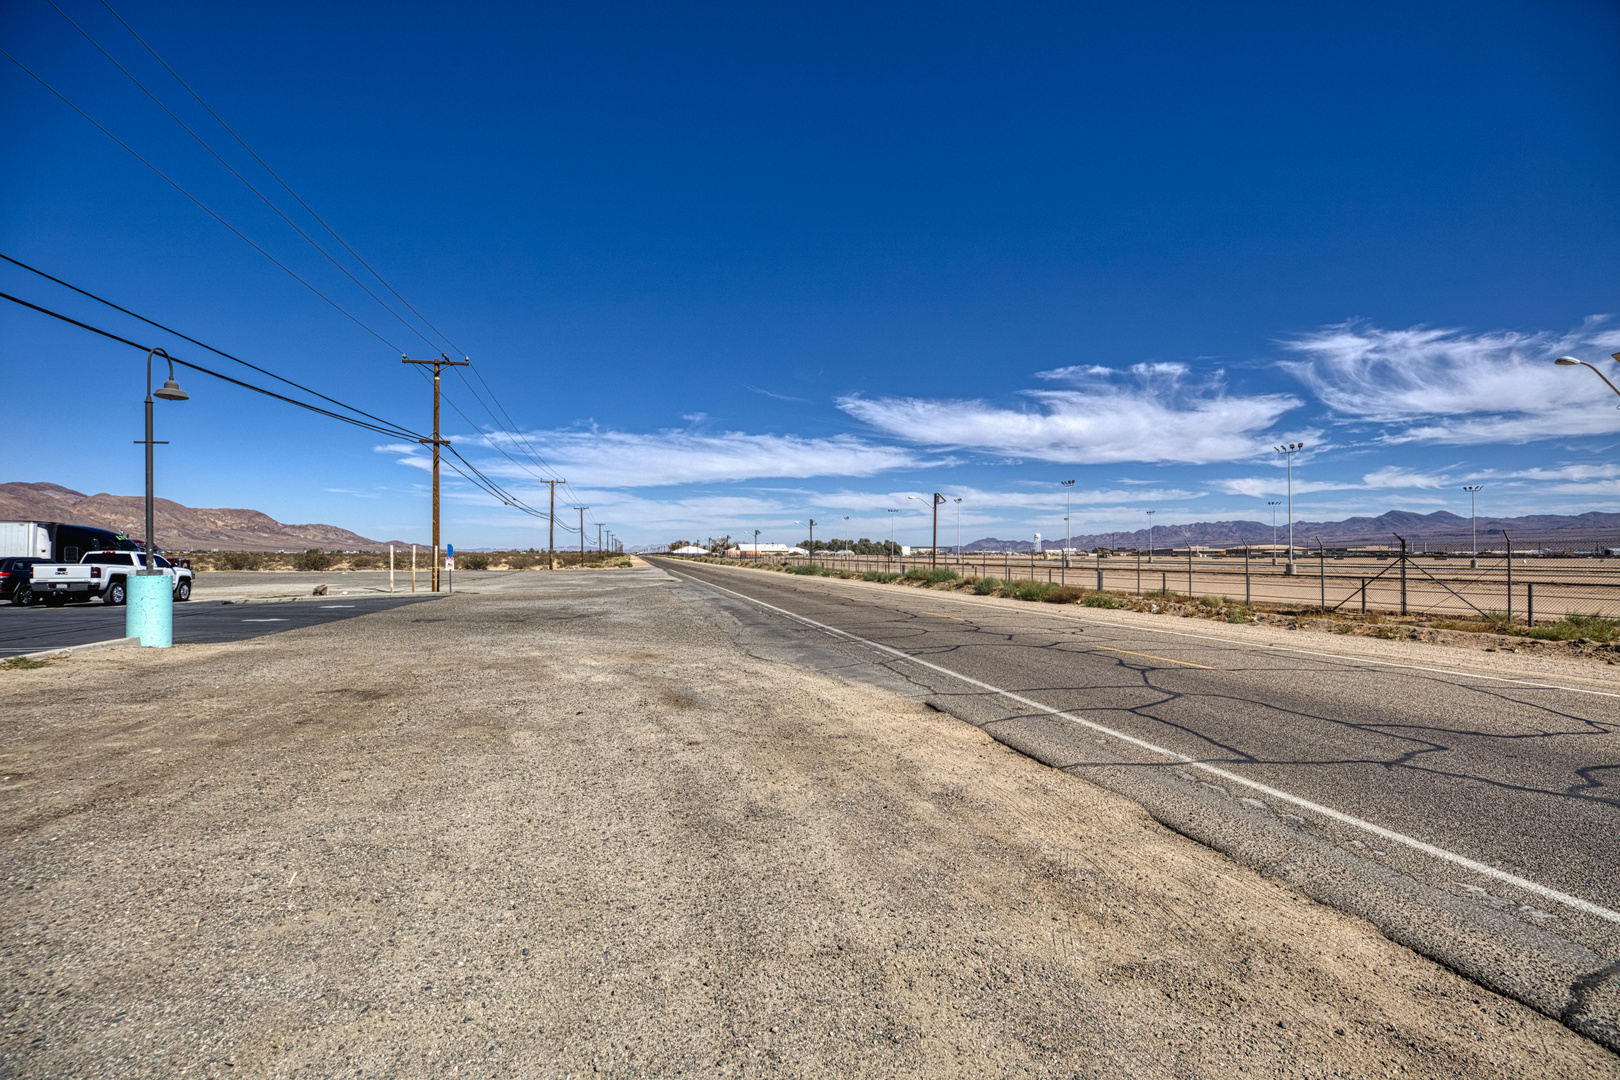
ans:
x=198 y=622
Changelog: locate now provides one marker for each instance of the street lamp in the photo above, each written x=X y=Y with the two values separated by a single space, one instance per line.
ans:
x=812 y=543
x=1273 y=503
x=150 y=596
x=1068 y=489
x=1473 y=524
x=1570 y=361
x=1288 y=450
x=959 y=526
x=1150 y=514
x=892 y=546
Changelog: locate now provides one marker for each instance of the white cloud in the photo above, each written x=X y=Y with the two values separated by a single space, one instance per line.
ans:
x=1389 y=477
x=1149 y=413
x=1445 y=386
x=657 y=459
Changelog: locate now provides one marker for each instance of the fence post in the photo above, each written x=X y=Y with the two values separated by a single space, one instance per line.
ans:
x=1247 y=591
x=1364 y=596
x=1099 y=575
x=1509 y=574
x=1138 y=571
x=1164 y=582
x=1403 y=572
x=1321 y=570
x=1530 y=603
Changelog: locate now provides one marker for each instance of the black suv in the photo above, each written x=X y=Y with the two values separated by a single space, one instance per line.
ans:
x=16 y=579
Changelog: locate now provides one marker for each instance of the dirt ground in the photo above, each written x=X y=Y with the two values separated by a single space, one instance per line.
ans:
x=577 y=831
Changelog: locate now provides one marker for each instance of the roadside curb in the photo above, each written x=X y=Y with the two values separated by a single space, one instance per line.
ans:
x=93 y=646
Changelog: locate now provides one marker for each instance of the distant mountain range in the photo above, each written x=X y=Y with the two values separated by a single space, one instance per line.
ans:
x=1440 y=528
x=179 y=528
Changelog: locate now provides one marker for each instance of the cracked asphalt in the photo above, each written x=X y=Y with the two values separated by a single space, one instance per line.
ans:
x=1494 y=768
x=623 y=825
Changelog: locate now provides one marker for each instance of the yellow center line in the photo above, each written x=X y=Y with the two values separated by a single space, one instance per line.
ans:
x=1150 y=656
x=942 y=615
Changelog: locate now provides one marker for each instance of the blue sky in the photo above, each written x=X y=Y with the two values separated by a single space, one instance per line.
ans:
x=727 y=267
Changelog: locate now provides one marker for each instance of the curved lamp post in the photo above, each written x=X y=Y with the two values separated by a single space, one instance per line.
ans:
x=1570 y=361
x=149 y=596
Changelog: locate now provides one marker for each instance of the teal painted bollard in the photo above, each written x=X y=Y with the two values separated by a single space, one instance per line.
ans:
x=149 y=610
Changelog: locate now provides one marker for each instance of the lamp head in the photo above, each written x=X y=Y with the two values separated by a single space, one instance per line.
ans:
x=1566 y=361
x=170 y=391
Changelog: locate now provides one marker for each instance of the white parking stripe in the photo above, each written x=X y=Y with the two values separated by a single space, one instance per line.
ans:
x=1480 y=868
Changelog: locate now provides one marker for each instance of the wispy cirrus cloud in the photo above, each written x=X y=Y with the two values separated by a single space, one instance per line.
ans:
x=1150 y=412
x=1447 y=386
x=686 y=456
x=1388 y=478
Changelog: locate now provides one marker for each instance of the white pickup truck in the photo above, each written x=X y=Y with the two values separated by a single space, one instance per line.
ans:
x=100 y=573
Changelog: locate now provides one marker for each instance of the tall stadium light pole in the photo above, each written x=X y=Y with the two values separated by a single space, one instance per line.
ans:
x=1273 y=503
x=1288 y=450
x=1068 y=488
x=959 y=526
x=1570 y=361
x=1150 y=514
x=1473 y=524
x=892 y=544
x=440 y=361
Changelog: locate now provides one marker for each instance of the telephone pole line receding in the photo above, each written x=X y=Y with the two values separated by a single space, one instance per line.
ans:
x=582 y=510
x=438 y=362
x=551 y=522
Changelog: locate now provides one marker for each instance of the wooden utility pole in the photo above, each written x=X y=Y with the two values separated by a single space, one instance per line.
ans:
x=582 y=510
x=551 y=522
x=438 y=362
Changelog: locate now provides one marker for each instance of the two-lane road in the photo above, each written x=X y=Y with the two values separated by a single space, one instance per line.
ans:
x=1499 y=793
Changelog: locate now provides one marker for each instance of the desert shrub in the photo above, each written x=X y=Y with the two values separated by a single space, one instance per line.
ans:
x=1212 y=601
x=917 y=573
x=1240 y=615
x=313 y=559
x=843 y=573
x=942 y=573
x=238 y=560
x=1592 y=627
x=986 y=585
x=365 y=560
x=1028 y=590
x=1103 y=600
x=624 y=564
x=1162 y=594
x=472 y=561
x=523 y=560
x=807 y=570
x=880 y=575
x=1063 y=594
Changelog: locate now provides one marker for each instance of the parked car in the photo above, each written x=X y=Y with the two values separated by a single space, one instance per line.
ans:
x=104 y=574
x=15 y=578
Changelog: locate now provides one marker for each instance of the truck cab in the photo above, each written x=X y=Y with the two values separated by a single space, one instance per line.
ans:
x=100 y=573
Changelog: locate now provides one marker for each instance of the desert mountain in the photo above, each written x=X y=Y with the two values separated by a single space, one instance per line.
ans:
x=179 y=528
x=1439 y=529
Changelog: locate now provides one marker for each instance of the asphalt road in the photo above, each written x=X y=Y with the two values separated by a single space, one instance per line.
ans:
x=1475 y=818
x=196 y=622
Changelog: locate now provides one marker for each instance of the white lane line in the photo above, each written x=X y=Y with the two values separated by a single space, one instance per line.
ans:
x=334 y=607
x=1452 y=857
x=264 y=620
x=1347 y=657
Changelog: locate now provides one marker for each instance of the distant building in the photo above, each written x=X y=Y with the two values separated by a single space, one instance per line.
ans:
x=690 y=549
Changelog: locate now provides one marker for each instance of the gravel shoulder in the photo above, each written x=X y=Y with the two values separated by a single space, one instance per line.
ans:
x=574 y=827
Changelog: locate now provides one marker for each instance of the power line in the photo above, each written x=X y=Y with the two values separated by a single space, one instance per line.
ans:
x=194 y=341
x=274 y=175
x=200 y=204
x=232 y=169
x=518 y=439
x=395 y=431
